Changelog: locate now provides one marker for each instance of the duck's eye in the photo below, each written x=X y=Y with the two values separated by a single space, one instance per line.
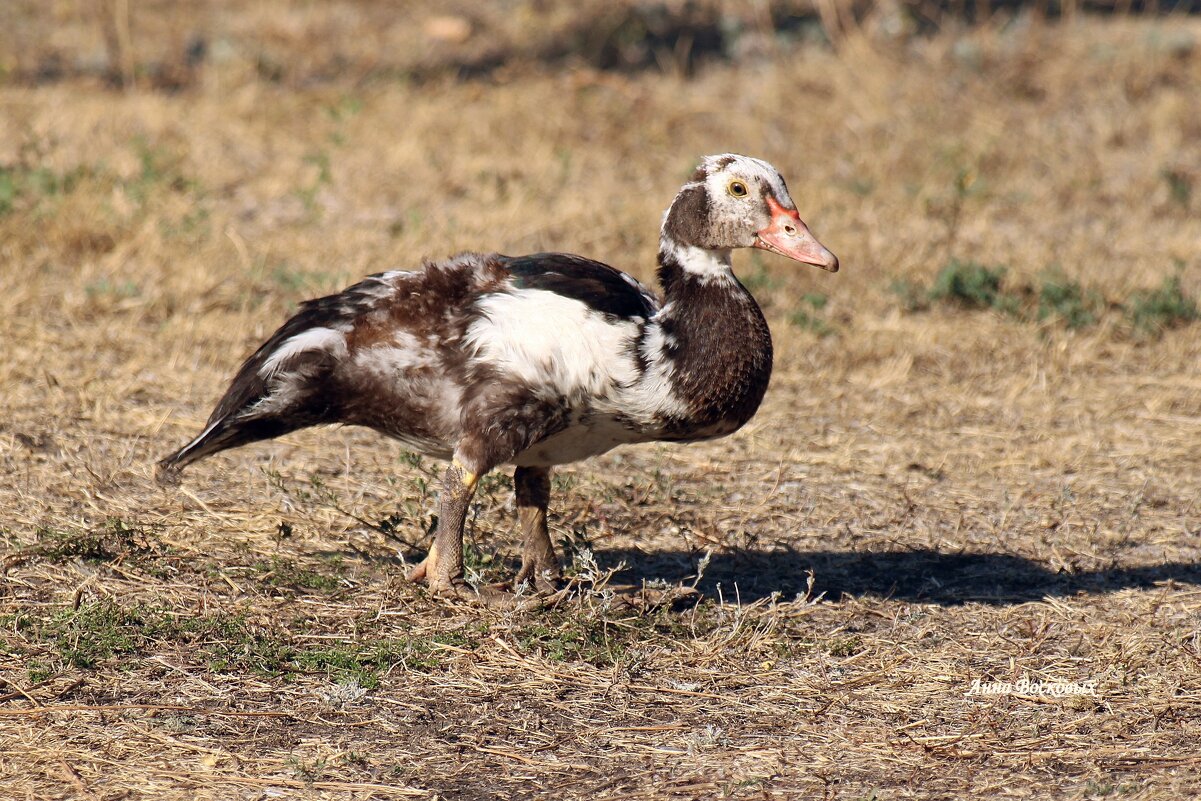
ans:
x=737 y=189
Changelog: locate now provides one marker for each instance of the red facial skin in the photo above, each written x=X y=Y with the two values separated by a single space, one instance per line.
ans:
x=788 y=235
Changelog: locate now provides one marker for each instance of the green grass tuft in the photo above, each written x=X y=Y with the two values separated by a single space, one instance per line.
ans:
x=1180 y=186
x=811 y=318
x=1151 y=311
x=88 y=636
x=286 y=573
x=1061 y=298
x=912 y=294
x=968 y=284
x=113 y=541
x=22 y=185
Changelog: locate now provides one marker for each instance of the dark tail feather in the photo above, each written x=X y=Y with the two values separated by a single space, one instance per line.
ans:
x=241 y=416
x=220 y=436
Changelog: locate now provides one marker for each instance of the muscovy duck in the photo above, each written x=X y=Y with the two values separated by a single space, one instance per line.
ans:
x=535 y=361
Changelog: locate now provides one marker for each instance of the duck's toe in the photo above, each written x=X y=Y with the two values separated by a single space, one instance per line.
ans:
x=422 y=569
x=493 y=596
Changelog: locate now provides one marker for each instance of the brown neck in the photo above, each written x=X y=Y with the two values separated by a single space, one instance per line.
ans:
x=719 y=345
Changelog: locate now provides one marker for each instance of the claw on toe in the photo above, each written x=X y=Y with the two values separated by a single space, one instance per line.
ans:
x=422 y=568
x=535 y=588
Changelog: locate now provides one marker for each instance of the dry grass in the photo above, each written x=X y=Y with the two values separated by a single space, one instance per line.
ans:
x=980 y=493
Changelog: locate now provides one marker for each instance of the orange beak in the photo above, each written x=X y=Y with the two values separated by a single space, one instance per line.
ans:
x=789 y=236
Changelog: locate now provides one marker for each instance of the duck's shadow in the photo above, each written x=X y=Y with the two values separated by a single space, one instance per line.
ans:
x=922 y=576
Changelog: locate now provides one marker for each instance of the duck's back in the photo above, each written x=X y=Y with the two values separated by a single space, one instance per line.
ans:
x=423 y=356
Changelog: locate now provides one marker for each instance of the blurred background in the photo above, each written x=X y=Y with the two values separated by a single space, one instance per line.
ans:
x=318 y=139
x=979 y=446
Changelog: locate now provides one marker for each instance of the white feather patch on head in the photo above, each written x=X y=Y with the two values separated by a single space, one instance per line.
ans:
x=328 y=339
x=553 y=343
x=748 y=169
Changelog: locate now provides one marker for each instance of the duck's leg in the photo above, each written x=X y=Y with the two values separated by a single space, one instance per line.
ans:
x=442 y=567
x=539 y=565
x=500 y=424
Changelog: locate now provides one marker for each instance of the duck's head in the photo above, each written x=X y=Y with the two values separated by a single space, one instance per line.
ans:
x=735 y=201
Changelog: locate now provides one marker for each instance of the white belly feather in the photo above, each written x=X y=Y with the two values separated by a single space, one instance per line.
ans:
x=581 y=440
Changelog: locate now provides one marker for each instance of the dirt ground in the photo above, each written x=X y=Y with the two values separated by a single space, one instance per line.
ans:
x=978 y=460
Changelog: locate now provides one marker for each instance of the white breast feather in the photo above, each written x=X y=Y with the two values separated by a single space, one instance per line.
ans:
x=599 y=434
x=554 y=343
x=654 y=395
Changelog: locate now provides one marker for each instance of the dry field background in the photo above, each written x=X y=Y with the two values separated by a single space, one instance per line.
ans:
x=994 y=480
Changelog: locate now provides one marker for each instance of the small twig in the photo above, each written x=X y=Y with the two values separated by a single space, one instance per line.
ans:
x=75 y=779
x=20 y=692
x=191 y=710
x=527 y=761
x=276 y=781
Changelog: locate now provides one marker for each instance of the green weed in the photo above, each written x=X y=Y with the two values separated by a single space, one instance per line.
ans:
x=344 y=108
x=38 y=671
x=563 y=482
x=861 y=187
x=495 y=483
x=846 y=646
x=320 y=160
x=912 y=294
x=365 y=663
x=105 y=287
x=1180 y=186
x=307 y=772
x=159 y=168
x=572 y=641
x=23 y=185
x=809 y=316
x=286 y=573
x=95 y=632
x=968 y=284
x=1151 y=311
x=1066 y=300
x=87 y=636
x=193 y=225
x=114 y=540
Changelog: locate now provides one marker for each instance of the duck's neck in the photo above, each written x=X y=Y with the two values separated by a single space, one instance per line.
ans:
x=716 y=346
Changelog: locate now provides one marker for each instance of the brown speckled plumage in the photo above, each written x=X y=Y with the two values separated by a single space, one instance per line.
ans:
x=533 y=361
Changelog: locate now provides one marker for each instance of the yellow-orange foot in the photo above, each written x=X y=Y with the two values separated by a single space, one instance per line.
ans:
x=493 y=596
x=423 y=568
